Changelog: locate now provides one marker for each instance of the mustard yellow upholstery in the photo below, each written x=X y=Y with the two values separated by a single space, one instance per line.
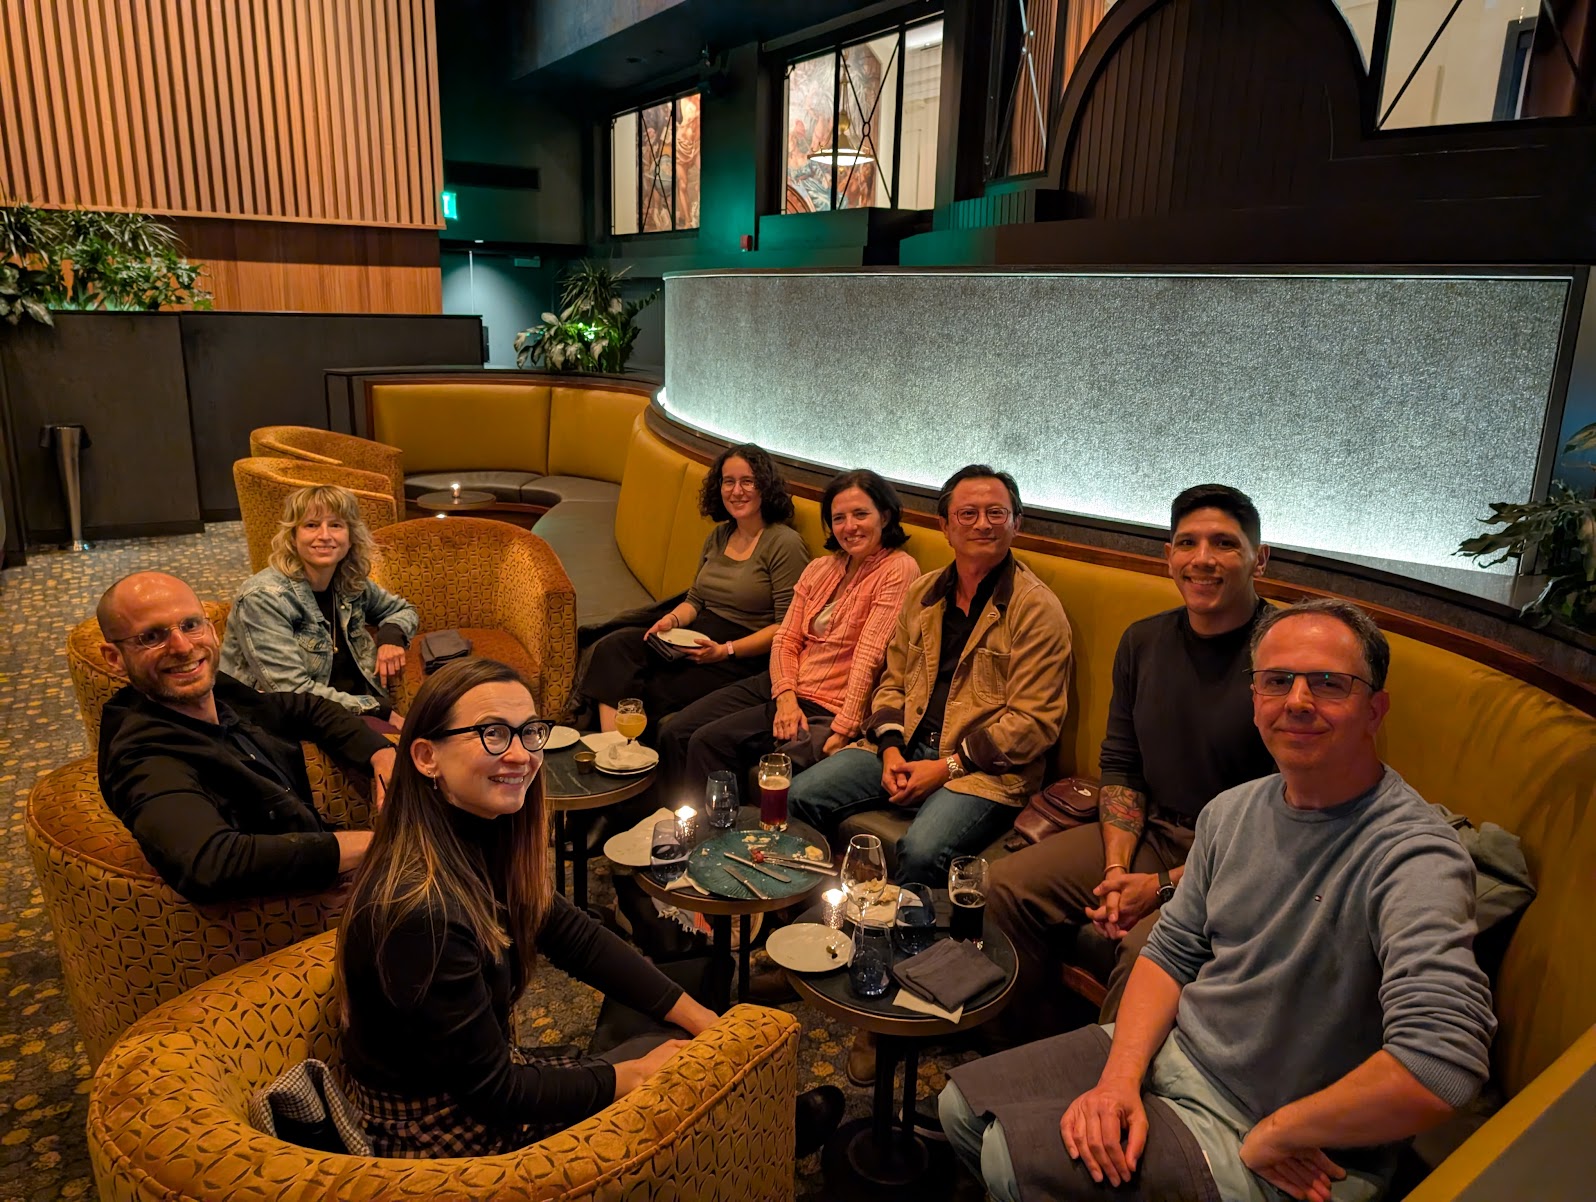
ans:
x=491 y=426
x=646 y=513
x=688 y=530
x=126 y=941
x=334 y=449
x=264 y=484
x=806 y=520
x=167 y=1114
x=501 y=586
x=590 y=431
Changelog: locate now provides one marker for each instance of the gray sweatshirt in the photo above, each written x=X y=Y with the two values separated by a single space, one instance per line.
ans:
x=1307 y=940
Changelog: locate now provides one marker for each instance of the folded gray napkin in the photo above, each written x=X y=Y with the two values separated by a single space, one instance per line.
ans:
x=948 y=973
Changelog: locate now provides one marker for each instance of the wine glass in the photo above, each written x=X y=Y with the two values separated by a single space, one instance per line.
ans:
x=630 y=719
x=864 y=872
x=721 y=794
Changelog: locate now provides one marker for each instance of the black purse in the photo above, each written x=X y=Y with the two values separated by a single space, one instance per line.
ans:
x=441 y=647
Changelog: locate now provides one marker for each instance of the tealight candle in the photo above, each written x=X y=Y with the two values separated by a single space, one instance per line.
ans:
x=834 y=904
x=454 y=487
x=687 y=823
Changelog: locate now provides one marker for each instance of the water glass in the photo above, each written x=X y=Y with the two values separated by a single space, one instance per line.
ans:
x=667 y=852
x=915 y=927
x=721 y=797
x=967 y=892
x=870 y=970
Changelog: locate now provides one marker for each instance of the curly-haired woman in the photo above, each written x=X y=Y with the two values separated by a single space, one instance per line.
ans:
x=300 y=625
x=746 y=573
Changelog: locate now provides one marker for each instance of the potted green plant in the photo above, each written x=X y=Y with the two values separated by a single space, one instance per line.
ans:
x=594 y=329
x=1556 y=538
x=29 y=273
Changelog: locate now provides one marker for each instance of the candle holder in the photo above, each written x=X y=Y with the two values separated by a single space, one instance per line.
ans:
x=687 y=824
x=834 y=906
x=454 y=488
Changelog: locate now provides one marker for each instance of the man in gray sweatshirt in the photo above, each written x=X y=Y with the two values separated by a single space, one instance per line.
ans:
x=1307 y=998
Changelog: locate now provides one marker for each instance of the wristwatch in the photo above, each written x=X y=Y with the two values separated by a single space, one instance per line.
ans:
x=955 y=767
x=1166 y=887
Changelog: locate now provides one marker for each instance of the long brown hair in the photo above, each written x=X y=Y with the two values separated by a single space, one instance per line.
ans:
x=417 y=859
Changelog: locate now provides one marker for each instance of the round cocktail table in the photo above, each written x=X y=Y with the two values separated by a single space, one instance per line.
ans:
x=721 y=910
x=572 y=795
x=445 y=501
x=878 y=1157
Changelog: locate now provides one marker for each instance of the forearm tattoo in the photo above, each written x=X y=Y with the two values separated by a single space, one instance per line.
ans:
x=1122 y=807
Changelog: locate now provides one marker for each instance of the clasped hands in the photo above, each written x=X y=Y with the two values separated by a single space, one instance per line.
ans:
x=1106 y=1130
x=909 y=782
x=1126 y=898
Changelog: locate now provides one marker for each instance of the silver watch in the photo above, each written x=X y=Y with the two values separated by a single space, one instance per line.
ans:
x=955 y=767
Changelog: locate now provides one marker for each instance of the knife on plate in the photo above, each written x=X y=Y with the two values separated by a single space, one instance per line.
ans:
x=760 y=868
x=746 y=883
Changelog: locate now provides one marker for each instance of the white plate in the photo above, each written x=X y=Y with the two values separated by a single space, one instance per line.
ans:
x=625 y=771
x=611 y=759
x=802 y=947
x=631 y=847
x=560 y=738
x=682 y=637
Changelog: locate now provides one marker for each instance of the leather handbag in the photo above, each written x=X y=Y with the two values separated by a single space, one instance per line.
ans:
x=441 y=647
x=1060 y=806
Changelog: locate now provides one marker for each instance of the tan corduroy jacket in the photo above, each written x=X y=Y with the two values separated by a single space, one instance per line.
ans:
x=1010 y=689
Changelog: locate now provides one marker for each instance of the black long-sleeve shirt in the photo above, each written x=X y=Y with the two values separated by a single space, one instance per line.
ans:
x=223 y=811
x=1180 y=726
x=429 y=1011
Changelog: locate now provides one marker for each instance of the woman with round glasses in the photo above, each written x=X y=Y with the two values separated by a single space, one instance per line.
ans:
x=826 y=655
x=747 y=569
x=301 y=624
x=446 y=920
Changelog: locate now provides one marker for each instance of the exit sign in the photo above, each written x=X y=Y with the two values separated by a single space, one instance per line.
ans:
x=451 y=209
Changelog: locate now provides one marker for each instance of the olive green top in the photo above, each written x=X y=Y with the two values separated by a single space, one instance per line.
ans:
x=754 y=592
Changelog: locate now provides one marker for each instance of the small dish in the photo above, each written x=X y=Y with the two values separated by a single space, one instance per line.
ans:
x=560 y=738
x=802 y=947
x=622 y=760
x=682 y=637
x=631 y=847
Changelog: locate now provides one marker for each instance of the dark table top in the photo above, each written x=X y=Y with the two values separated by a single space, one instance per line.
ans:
x=568 y=789
x=831 y=992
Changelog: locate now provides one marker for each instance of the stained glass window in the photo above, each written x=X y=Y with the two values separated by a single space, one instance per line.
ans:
x=654 y=167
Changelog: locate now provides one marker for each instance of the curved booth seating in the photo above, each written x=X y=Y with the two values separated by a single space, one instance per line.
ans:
x=126 y=940
x=263 y=485
x=500 y=586
x=333 y=449
x=167 y=1117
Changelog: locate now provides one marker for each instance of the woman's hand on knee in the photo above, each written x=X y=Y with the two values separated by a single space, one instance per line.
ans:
x=629 y=1074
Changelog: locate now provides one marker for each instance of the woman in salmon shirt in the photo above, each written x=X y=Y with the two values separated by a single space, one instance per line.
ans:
x=826 y=655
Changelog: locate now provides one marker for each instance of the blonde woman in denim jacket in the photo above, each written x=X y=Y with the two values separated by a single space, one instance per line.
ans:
x=302 y=624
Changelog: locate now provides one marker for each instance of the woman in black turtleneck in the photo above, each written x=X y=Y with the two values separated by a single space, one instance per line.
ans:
x=447 y=915
x=302 y=625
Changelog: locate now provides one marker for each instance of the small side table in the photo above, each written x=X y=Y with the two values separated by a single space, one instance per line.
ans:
x=444 y=500
x=876 y=1158
x=721 y=910
x=572 y=795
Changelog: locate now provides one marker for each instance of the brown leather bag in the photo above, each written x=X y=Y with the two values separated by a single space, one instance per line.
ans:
x=1060 y=806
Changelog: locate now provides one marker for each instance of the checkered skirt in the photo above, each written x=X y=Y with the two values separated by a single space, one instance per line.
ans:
x=400 y=1125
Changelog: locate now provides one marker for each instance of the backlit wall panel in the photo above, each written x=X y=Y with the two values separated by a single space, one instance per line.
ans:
x=1372 y=415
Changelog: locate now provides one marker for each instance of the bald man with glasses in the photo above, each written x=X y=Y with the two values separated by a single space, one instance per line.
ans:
x=207 y=773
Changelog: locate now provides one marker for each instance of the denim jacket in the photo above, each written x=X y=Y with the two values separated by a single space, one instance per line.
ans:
x=278 y=641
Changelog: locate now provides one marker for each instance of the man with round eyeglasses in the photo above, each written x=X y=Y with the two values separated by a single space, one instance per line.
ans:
x=1308 y=998
x=207 y=773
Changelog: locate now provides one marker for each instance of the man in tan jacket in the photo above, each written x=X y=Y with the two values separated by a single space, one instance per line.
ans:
x=971 y=698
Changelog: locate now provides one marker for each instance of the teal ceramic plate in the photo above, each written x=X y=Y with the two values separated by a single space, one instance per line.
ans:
x=707 y=864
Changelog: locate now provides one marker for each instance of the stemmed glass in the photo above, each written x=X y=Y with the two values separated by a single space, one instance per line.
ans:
x=864 y=872
x=630 y=719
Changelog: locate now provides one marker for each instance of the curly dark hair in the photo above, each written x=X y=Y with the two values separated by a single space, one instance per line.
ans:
x=882 y=495
x=775 y=503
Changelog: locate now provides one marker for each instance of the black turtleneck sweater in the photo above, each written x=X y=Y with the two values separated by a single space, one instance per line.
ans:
x=436 y=1018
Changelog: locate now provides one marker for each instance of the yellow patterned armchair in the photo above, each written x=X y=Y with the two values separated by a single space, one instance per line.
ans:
x=127 y=942
x=167 y=1116
x=500 y=586
x=264 y=484
x=333 y=448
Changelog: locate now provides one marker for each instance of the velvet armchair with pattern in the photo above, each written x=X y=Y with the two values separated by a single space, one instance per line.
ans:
x=167 y=1113
x=126 y=940
x=500 y=586
x=335 y=449
x=264 y=484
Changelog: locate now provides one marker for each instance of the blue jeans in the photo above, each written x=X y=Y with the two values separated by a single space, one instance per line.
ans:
x=946 y=824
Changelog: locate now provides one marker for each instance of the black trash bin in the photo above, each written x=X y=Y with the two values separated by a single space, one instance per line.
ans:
x=69 y=441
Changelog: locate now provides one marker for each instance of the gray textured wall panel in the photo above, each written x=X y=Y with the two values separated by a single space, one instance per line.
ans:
x=1376 y=415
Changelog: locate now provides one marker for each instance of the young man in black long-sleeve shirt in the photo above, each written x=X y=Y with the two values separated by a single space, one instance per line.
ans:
x=1180 y=732
x=206 y=772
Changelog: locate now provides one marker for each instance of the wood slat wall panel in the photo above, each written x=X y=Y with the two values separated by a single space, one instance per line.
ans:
x=280 y=110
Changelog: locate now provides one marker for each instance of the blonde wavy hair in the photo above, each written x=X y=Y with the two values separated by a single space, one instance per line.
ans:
x=353 y=570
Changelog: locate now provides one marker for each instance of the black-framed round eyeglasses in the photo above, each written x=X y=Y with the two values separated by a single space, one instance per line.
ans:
x=496 y=736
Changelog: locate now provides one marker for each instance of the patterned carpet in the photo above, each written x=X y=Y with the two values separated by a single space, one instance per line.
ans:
x=44 y=1078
